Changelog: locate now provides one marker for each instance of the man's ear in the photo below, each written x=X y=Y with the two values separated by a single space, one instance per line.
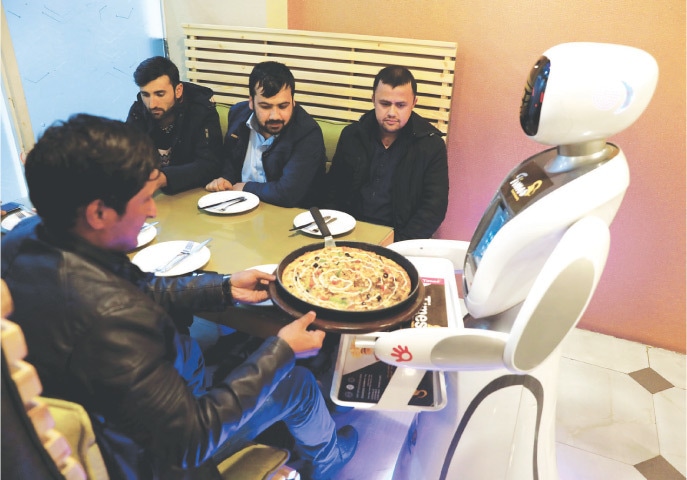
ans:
x=250 y=103
x=94 y=214
x=179 y=90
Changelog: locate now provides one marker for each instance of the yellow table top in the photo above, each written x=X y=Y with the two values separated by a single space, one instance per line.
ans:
x=240 y=241
x=257 y=237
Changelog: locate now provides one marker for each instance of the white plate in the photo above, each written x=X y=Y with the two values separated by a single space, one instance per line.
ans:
x=11 y=220
x=249 y=203
x=146 y=236
x=344 y=223
x=159 y=254
x=268 y=268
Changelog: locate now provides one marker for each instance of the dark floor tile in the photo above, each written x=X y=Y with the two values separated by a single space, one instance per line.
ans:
x=651 y=380
x=658 y=468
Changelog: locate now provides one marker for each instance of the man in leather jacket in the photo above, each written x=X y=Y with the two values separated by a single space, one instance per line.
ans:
x=390 y=167
x=99 y=334
x=273 y=148
x=182 y=120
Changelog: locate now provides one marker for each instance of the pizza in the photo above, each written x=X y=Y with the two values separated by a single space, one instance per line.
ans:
x=346 y=278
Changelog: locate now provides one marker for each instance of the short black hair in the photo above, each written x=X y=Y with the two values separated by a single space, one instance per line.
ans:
x=272 y=77
x=395 y=76
x=84 y=159
x=155 y=67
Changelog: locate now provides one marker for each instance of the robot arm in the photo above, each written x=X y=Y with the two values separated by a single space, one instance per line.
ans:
x=558 y=298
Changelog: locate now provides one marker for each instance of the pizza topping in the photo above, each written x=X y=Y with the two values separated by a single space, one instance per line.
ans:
x=346 y=278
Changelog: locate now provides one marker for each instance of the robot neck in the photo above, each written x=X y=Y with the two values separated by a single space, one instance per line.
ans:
x=577 y=155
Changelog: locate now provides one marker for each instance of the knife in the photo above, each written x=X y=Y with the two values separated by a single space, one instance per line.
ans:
x=148 y=225
x=182 y=256
x=232 y=200
x=306 y=225
x=322 y=225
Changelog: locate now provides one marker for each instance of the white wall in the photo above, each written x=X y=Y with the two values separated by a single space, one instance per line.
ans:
x=246 y=13
x=79 y=55
x=12 y=173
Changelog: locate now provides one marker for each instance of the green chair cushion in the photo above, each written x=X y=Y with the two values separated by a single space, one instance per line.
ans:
x=331 y=130
x=223 y=112
x=254 y=462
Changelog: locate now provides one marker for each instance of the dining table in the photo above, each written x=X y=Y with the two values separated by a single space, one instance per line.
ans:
x=256 y=237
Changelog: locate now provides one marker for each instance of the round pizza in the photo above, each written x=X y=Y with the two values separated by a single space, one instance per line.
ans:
x=346 y=278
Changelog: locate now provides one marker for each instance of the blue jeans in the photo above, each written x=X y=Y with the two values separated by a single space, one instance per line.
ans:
x=296 y=400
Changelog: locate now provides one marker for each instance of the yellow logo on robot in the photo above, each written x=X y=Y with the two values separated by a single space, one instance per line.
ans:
x=519 y=189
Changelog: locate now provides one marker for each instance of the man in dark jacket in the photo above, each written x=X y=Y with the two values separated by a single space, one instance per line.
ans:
x=99 y=334
x=182 y=120
x=273 y=147
x=391 y=167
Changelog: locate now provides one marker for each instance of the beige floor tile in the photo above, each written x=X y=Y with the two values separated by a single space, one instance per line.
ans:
x=670 y=365
x=605 y=412
x=671 y=422
x=605 y=351
x=577 y=464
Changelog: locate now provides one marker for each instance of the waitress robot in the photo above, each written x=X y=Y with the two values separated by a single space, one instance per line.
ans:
x=529 y=273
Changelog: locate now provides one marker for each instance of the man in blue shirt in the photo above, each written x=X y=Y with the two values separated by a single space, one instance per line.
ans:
x=273 y=148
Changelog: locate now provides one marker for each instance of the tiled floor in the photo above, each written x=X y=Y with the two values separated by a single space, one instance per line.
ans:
x=621 y=415
x=621 y=410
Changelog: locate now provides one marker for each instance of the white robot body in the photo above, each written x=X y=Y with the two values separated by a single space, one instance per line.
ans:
x=500 y=276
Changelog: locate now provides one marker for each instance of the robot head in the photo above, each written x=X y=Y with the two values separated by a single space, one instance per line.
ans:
x=579 y=92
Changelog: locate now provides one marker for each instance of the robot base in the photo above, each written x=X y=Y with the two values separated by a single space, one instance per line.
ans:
x=496 y=425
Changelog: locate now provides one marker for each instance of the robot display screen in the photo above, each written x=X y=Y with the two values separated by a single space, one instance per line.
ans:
x=498 y=219
x=533 y=98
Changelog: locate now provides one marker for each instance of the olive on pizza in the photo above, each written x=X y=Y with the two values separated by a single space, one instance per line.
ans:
x=346 y=278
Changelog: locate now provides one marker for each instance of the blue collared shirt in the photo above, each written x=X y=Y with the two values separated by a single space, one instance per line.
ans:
x=253 y=170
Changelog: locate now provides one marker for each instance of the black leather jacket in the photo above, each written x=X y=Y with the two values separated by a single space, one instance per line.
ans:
x=98 y=333
x=195 y=159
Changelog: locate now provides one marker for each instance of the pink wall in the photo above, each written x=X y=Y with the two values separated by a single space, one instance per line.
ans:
x=641 y=296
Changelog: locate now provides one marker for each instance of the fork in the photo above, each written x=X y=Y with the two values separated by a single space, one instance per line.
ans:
x=233 y=202
x=21 y=214
x=186 y=251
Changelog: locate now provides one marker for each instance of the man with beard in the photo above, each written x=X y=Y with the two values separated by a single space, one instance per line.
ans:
x=182 y=120
x=390 y=167
x=273 y=148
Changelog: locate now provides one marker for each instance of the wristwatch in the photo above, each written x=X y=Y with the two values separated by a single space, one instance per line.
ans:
x=226 y=290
